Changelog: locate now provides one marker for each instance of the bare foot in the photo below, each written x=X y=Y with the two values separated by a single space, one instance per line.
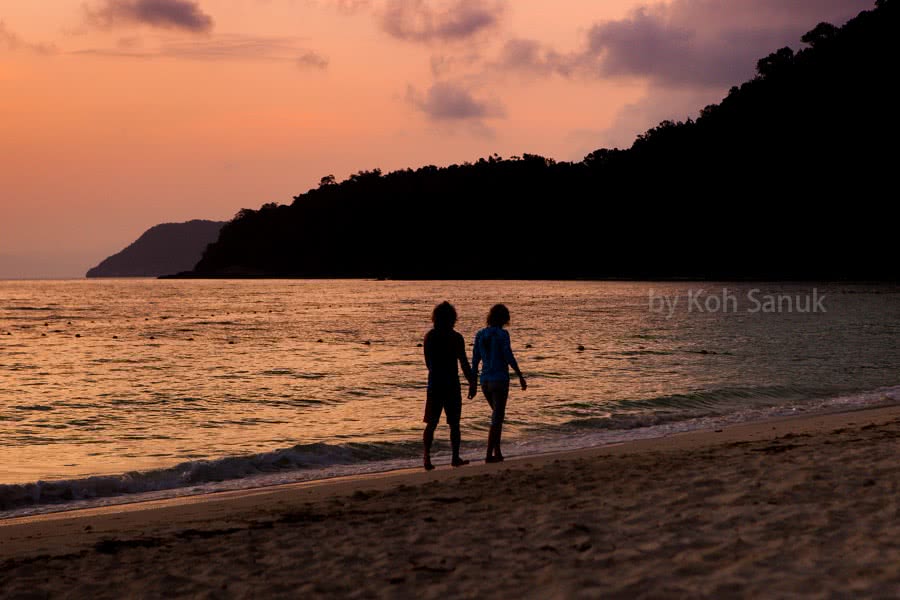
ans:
x=492 y=459
x=458 y=462
x=428 y=465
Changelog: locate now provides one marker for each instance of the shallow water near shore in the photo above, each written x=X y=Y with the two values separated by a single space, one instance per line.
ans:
x=109 y=388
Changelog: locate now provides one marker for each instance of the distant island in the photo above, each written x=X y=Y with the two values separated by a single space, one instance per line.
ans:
x=784 y=179
x=165 y=248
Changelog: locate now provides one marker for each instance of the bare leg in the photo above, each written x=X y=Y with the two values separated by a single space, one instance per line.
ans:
x=455 y=440
x=498 y=414
x=427 y=440
x=492 y=445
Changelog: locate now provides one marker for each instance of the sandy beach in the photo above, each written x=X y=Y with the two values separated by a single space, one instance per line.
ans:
x=802 y=506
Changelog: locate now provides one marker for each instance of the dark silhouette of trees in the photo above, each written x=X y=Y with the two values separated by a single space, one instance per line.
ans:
x=776 y=63
x=820 y=34
x=785 y=178
x=327 y=180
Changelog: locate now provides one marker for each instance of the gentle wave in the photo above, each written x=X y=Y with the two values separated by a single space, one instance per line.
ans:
x=578 y=433
x=727 y=397
x=305 y=456
x=670 y=409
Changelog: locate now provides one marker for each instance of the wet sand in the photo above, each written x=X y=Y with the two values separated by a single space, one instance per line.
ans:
x=805 y=506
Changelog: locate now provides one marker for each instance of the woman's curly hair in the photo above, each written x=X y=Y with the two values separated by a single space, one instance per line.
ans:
x=498 y=316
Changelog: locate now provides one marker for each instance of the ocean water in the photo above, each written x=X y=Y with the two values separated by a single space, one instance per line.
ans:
x=116 y=390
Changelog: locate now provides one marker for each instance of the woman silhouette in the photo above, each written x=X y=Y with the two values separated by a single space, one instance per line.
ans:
x=493 y=348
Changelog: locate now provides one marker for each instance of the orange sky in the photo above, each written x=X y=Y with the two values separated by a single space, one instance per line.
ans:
x=114 y=120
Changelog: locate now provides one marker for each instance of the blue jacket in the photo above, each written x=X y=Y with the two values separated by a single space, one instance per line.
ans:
x=492 y=347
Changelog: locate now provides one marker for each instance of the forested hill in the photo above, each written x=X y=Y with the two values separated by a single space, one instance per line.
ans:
x=786 y=178
x=162 y=249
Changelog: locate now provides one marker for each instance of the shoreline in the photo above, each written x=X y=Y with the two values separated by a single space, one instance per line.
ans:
x=191 y=276
x=796 y=506
x=59 y=532
x=258 y=483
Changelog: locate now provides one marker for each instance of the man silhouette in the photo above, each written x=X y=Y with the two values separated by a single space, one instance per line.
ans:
x=444 y=350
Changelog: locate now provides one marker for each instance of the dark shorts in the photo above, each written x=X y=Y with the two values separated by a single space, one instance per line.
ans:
x=448 y=400
x=496 y=393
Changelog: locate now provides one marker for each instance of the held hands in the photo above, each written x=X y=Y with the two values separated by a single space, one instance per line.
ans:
x=523 y=383
x=473 y=390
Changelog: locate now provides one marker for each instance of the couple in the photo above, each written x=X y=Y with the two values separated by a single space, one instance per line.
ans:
x=444 y=349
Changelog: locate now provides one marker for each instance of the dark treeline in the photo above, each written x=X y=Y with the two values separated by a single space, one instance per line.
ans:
x=786 y=178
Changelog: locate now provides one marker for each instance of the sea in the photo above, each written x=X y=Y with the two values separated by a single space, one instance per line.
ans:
x=121 y=390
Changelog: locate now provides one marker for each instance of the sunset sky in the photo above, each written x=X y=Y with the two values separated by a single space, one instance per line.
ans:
x=116 y=115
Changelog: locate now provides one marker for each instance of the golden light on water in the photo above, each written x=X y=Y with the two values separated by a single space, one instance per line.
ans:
x=105 y=377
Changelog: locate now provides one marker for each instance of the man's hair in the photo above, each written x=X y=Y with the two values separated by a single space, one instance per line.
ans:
x=443 y=316
x=498 y=316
